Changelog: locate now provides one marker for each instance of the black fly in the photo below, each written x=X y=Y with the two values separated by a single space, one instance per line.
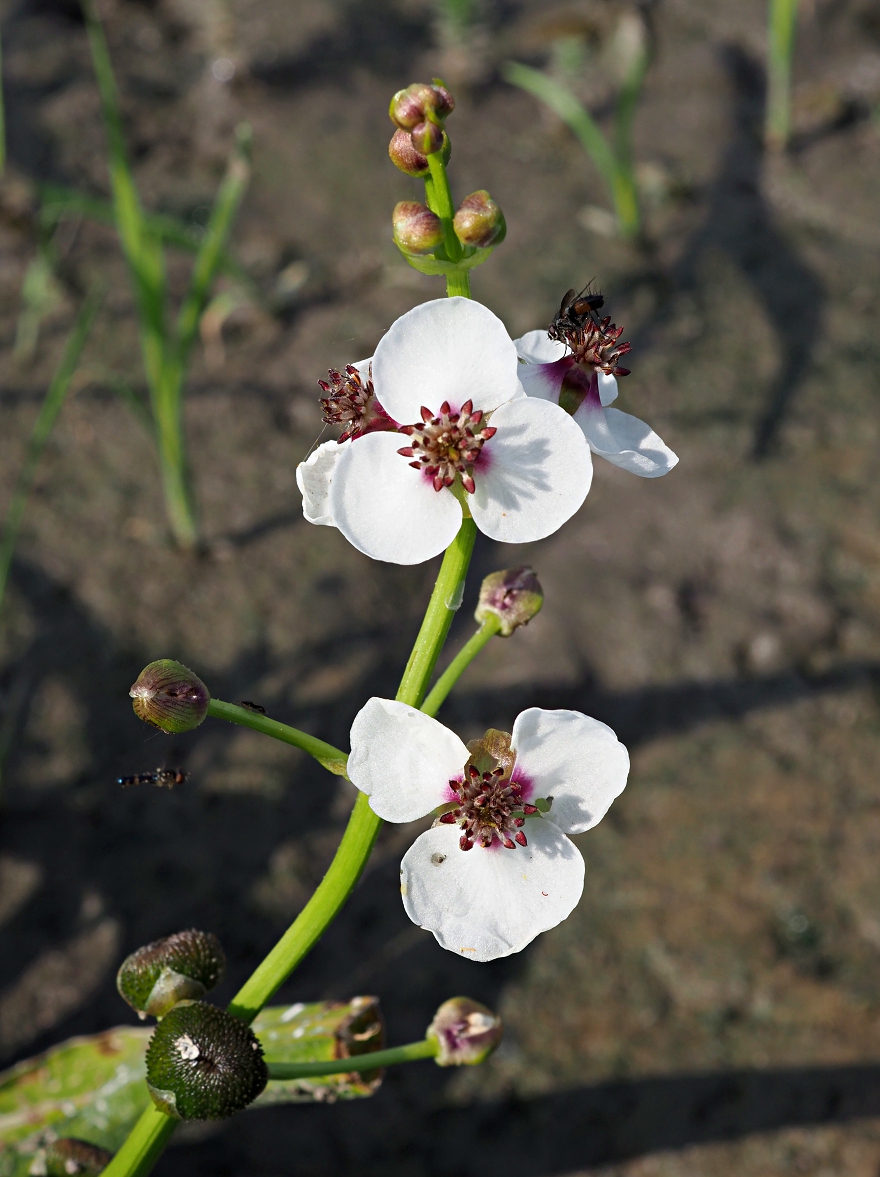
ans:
x=249 y=706
x=574 y=311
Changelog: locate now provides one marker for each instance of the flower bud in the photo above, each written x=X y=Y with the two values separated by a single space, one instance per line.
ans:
x=427 y=137
x=479 y=221
x=514 y=596
x=404 y=155
x=204 y=1064
x=416 y=228
x=69 y=1155
x=179 y=967
x=409 y=107
x=465 y=1031
x=170 y=697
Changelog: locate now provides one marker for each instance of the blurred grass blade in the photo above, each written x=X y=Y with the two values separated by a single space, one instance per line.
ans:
x=46 y=418
x=572 y=112
x=781 y=23
x=40 y=295
x=211 y=250
x=626 y=199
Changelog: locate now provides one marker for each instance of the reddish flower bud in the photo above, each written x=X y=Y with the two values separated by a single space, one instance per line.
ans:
x=465 y=1031
x=416 y=228
x=170 y=697
x=479 y=221
x=404 y=155
x=514 y=596
x=427 y=137
x=408 y=106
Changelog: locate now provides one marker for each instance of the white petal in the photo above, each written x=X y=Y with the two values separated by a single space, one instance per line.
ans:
x=385 y=508
x=483 y=904
x=314 y=477
x=533 y=474
x=544 y=381
x=625 y=441
x=452 y=349
x=607 y=388
x=536 y=347
x=403 y=760
x=574 y=759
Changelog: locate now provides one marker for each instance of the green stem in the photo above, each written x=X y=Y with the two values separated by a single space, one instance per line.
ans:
x=445 y=600
x=782 y=19
x=438 y=197
x=427 y=1048
x=333 y=759
x=143 y=1146
x=459 y=664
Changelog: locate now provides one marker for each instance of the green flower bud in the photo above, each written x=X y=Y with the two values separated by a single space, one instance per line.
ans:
x=170 y=697
x=204 y=1064
x=479 y=221
x=514 y=596
x=68 y=1155
x=179 y=967
x=427 y=137
x=465 y=1031
x=416 y=228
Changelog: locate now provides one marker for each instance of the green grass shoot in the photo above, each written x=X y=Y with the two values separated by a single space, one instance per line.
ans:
x=165 y=347
x=613 y=158
x=781 y=26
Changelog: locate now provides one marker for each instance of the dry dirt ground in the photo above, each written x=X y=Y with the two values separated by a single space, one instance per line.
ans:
x=713 y=1005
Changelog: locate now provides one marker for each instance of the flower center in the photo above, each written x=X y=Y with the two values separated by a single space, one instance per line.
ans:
x=489 y=804
x=448 y=444
x=351 y=402
x=593 y=342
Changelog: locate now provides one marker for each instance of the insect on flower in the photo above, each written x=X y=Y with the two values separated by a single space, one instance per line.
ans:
x=575 y=310
x=249 y=706
x=165 y=778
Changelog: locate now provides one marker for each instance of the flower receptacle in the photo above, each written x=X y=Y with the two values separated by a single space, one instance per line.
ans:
x=169 y=696
x=465 y=1031
x=513 y=595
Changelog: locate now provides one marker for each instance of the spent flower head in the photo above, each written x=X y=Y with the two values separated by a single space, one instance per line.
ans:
x=497 y=867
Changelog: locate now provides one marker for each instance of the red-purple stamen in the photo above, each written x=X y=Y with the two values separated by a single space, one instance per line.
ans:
x=351 y=402
x=448 y=445
x=488 y=806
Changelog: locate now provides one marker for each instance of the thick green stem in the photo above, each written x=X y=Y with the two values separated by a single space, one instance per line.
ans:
x=438 y=197
x=426 y=1048
x=333 y=759
x=459 y=664
x=143 y=1146
x=445 y=600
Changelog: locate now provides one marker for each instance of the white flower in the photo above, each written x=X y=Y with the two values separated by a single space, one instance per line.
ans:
x=446 y=376
x=550 y=371
x=496 y=868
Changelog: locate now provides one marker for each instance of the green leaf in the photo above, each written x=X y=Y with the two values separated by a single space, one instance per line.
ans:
x=93 y=1088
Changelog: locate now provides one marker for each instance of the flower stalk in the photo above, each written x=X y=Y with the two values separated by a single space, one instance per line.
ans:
x=459 y=664
x=781 y=24
x=333 y=759
x=372 y=1061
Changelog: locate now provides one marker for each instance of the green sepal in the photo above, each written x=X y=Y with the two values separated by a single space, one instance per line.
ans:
x=436 y=266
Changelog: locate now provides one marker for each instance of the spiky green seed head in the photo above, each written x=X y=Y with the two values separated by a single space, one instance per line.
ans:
x=179 y=967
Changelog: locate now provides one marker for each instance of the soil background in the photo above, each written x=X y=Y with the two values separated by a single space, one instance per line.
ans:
x=713 y=1005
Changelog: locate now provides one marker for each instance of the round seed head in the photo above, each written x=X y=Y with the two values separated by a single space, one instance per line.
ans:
x=204 y=1064
x=179 y=967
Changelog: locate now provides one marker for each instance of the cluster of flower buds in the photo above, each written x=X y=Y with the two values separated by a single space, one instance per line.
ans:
x=180 y=967
x=203 y=1063
x=478 y=224
x=418 y=112
x=170 y=697
x=514 y=596
x=466 y=1032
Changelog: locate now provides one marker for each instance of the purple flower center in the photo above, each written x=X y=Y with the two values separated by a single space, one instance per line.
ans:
x=448 y=445
x=487 y=802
